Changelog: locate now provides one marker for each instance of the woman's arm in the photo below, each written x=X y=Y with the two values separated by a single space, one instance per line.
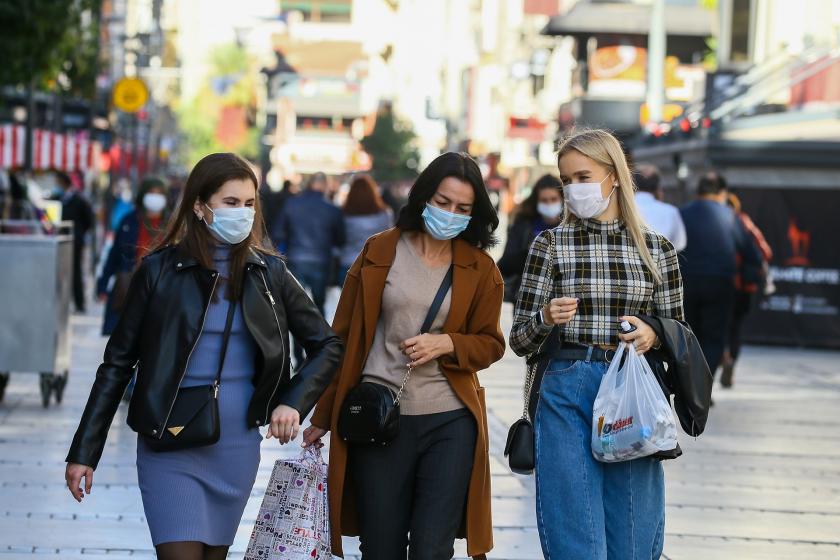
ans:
x=115 y=254
x=483 y=342
x=113 y=375
x=668 y=294
x=323 y=347
x=529 y=330
x=341 y=326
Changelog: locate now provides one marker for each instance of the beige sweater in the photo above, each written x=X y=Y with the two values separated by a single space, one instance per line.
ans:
x=409 y=291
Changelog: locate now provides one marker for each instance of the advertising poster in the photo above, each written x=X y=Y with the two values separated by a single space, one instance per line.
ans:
x=802 y=227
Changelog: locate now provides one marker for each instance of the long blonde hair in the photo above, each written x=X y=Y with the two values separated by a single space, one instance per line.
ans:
x=602 y=147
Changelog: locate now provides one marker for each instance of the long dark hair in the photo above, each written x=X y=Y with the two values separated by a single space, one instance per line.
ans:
x=528 y=208
x=363 y=199
x=480 y=231
x=193 y=237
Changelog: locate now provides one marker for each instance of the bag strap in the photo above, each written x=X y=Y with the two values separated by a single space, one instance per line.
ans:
x=427 y=323
x=531 y=368
x=438 y=301
x=225 y=338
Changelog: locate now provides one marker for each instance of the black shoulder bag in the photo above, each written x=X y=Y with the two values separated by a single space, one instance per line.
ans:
x=370 y=413
x=194 y=420
x=519 y=448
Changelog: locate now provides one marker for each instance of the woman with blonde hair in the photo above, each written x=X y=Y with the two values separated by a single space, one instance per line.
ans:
x=602 y=265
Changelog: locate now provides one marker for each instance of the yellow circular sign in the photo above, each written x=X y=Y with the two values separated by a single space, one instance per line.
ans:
x=130 y=94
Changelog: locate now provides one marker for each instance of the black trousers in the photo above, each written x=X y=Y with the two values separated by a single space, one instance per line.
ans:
x=708 y=310
x=740 y=309
x=413 y=493
x=78 y=277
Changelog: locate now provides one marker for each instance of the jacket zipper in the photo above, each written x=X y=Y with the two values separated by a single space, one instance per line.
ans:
x=184 y=373
x=282 y=342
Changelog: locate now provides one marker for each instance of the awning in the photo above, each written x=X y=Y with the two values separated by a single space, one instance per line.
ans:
x=50 y=150
x=603 y=18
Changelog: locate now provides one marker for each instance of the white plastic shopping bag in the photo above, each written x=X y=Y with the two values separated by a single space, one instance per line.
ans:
x=293 y=523
x=631 y=417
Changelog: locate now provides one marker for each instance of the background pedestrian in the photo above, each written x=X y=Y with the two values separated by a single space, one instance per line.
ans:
x=717 y=242
x=309 y=230
x=365 y=214
x=664 y=218
x=543 y=209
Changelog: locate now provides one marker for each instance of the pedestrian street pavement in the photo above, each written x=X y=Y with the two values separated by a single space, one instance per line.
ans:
x=763 y=482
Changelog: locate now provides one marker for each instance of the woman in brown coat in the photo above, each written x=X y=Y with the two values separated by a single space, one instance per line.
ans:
x=431 y=484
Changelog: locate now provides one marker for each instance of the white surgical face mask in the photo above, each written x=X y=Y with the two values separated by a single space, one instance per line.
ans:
x=231 y=225
x=550 y=211
x=585 y=199
x=154 y=202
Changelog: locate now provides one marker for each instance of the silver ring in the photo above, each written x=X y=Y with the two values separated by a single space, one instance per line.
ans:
x=606 y=354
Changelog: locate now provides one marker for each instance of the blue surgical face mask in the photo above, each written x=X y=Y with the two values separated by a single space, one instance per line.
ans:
x=231 y=225
x=443 y=225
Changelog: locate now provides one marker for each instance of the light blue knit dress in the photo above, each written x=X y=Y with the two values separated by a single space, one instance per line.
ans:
x=200 y=494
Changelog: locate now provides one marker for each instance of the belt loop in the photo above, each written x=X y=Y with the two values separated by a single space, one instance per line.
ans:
x=589 y=353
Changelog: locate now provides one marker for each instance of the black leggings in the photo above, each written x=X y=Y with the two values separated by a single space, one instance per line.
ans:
x=415 y=486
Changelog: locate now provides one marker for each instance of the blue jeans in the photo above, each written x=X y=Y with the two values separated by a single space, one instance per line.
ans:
x=587 y=510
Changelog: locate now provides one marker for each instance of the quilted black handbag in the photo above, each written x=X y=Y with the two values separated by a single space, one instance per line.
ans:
x=370 y=413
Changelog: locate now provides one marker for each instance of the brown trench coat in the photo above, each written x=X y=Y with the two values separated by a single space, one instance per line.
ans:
x=473 y=324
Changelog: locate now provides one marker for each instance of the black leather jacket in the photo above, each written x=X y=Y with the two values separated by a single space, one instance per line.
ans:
x=160 y=326
x=687 y=377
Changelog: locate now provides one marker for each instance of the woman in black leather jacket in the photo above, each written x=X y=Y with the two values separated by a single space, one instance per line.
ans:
x=213 y=279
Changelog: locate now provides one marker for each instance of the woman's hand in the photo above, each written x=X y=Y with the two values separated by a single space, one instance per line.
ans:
x=312 y=436
x=424 y=348
x=73 y=475
x=560 y=311
x=643 y=338
x=285 y=424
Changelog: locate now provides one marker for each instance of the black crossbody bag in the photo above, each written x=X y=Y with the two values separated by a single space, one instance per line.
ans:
x=194 y=420
x=370 y=413
x=519 y=447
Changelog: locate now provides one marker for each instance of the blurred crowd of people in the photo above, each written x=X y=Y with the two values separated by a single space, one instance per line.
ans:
x=320 y=224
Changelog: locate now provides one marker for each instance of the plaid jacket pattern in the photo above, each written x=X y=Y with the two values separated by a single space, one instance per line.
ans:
x=598 y=263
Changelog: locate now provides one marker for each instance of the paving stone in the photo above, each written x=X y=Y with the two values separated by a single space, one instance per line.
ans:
x=763 y=482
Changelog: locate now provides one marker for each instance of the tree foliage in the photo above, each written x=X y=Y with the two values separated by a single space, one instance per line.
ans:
x=391 y=146
x=230 y=82
x=54 y=43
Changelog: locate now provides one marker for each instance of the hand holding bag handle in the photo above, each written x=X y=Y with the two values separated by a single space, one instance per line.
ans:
x=519 y=448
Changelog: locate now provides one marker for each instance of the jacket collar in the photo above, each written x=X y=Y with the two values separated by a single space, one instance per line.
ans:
x=378 y=260
x=183 y=260
x=382 y=252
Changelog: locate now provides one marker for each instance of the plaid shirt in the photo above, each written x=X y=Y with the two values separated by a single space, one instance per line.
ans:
x=598 y=263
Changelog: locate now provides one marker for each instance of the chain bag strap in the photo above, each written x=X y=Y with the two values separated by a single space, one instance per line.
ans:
x=427 y=324
x=371 y=412
x=519 y=447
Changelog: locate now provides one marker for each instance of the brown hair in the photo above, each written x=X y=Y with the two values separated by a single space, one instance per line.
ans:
x=192 y=236
x=363 y=199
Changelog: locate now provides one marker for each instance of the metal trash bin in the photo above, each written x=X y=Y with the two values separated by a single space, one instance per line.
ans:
x=35 y=289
